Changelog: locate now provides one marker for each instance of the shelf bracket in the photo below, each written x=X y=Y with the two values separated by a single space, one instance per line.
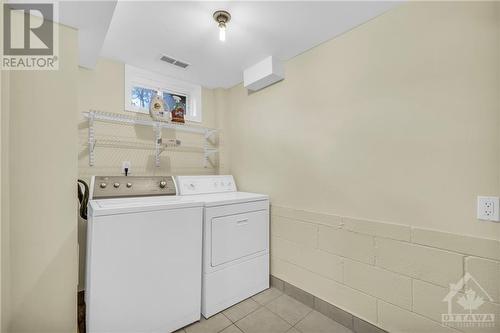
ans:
x=208 y=133
x=206 y=155
x=207 y=151
x=158 y=144
x=91 y=141
x=205 y=159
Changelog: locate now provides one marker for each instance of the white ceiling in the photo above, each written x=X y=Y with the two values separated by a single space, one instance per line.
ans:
x=91 y=18
x=138 y=32
x=141 y=31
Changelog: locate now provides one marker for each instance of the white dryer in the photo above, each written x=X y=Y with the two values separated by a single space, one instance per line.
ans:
x=144 y=255
x=235 y=240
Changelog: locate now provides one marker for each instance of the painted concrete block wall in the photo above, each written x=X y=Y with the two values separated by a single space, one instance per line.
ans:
x=400 y=287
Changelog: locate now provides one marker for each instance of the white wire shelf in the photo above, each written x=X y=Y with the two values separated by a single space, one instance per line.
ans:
x=165 y=146
x=158 y=145
x=143 y=121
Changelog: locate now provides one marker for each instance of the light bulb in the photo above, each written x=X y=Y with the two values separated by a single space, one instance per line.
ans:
x=222 y=32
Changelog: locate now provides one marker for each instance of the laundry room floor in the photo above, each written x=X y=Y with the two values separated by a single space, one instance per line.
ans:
x=271 y=311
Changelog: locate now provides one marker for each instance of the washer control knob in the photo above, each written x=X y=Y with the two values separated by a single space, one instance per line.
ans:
x=103 y=185
x=116 y=185
x=163 y=184
x=129 y=185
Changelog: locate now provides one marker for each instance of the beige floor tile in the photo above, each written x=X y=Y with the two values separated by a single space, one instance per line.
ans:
x=240 y=310
x=213 y=324
x=267 y=295
x=292 y=330
x=315 y=322
x=289 y=309
x=263 y=321
x=231 y=329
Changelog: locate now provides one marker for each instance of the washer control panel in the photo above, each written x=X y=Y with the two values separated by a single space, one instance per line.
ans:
x=189 y=185
x=131 y=186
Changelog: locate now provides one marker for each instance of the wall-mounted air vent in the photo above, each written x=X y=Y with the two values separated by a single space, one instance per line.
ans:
x=174 y=62
x=263 y=74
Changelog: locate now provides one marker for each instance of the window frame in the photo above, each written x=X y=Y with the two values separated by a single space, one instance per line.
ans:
x=136 y=77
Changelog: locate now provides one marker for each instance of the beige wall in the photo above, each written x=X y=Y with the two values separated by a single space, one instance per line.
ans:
x=3 y=238
x=4 y=202
x=41 y=151
x=374 y=143
x=397 y=120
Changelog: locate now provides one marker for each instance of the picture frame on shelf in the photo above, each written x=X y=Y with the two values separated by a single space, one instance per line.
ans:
x=178 y=105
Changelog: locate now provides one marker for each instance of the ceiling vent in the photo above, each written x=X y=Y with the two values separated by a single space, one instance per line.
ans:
x=174 y=62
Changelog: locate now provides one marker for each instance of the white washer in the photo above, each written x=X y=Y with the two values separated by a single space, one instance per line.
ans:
x=235 y=240
x=144 y=256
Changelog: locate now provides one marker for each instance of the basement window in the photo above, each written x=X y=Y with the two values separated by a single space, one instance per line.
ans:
x=141 y=85
x=141 y=97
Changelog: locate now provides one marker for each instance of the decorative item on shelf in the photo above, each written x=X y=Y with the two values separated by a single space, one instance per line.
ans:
x=158 y=109
x=179 y=109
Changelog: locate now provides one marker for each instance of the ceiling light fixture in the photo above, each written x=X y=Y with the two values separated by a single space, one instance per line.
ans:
x=222 y=18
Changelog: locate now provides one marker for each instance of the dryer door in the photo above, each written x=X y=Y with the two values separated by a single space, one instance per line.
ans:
x=239 y=235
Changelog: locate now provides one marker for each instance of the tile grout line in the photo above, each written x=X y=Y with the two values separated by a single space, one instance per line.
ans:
x=259 y=306
x=353 y=316
x=291 y=326
x=234 y=323
x=265 y=306
x=314 y=309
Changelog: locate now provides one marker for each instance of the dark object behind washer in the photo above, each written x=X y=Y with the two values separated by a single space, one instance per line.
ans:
x=83 y=197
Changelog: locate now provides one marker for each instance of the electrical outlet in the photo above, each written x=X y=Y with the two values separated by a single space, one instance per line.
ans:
x=488 y=208
x=126 y=165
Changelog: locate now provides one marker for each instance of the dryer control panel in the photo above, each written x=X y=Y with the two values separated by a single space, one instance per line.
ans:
x=188 y=185
x=103 y=187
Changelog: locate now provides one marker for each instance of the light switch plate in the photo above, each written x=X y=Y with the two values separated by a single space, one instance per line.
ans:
x=488 y=208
